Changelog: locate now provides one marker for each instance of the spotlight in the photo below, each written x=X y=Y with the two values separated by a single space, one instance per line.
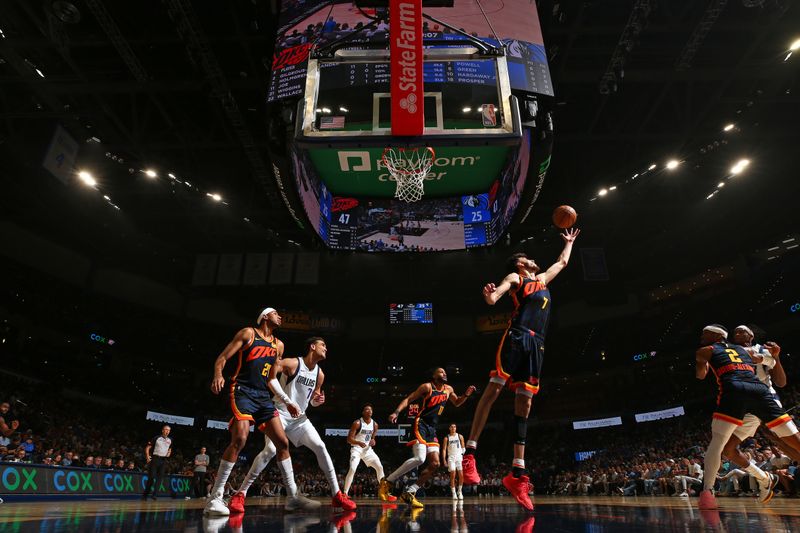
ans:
x=466 y=110
x=344 y=109
x=795 y=46
x=728 y=127
x=326 y=110
x=87 y=178
x=612 y=188
x=150 y=173
x=106 y=197
x=171 y=175
x=720 y=185
x=739 y=166
x=651 y=167
x=672 y=164
x=602 y=192
x=215 y=196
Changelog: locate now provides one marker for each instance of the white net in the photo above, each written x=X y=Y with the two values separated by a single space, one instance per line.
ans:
x=409 y=166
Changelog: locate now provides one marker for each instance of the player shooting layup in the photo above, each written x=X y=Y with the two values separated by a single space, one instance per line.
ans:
x=518 y=362
x=362 y=441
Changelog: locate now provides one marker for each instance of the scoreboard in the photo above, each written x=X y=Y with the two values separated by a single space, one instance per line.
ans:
x=414 y=313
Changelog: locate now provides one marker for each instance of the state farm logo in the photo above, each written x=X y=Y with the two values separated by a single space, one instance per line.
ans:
x=409 y=103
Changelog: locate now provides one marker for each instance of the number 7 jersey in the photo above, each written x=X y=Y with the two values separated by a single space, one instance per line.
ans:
x=531 y=306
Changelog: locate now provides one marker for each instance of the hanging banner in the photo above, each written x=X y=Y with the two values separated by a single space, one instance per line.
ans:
x=170 y=419
x=405 y=42
x=659 y=415
x=598 y=423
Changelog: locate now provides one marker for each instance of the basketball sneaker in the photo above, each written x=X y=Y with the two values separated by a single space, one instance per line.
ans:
x=526 y=526
x=766 y=488
x=471 y=476
x=236 y=505
x=216 y=507
x=519 y=487
x=343 y=519
x=341 y=500
x=412 y=500
x=384 y=488
x=455 y=494
x=301 y=503
x=707 y=501
x=460 y=494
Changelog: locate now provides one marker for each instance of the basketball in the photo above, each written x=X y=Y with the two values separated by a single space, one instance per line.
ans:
x=564 y=217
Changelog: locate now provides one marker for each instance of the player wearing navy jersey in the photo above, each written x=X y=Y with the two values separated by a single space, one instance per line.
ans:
x=740 y=392
x=434 y=395
x=251 y=403
x=518 y=361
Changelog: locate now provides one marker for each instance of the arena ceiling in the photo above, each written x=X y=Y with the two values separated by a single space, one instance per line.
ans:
x=179 y=87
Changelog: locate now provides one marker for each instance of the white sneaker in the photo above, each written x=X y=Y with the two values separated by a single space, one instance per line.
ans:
x=301 y=503
x=455 y=495
x=684 y=494
x=216 y=506
x=214 y=524
x=766 y=488
x=460 y=495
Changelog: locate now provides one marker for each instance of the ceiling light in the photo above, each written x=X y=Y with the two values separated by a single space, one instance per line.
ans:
x=171 y=175
x=466 y=109
x=612 y=188
x=344 y=109
x=106 y=197
x=720 y=185
x=602 y=192
x=795 y=45
x=87 y=178
x=187 y=183
x=326 y=110
x=728 y=127
x=39 y=72
x=672 y=164
x=215 y=196
x=150 y=173
x=740 y=166
x=651 y=167
x=319 y=110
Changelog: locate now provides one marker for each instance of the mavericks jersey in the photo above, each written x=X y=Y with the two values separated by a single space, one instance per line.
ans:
x=255 y=360
x=531 y=306
x=453 y=446
x=762 y=370
x=365 y=434
x=300 y=386
x=433 y=405
x=732 y=364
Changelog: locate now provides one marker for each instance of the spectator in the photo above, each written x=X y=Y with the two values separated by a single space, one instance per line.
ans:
x=108 y=464
x=8 y=423
x=67 y=460
x=201 y=461
x=131 y=467
x=89 y=462
x=120 y=464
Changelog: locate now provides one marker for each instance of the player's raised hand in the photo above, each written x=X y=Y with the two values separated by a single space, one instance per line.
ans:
x=489 y=288
x=393 y=418
x=570 y=235
x=773 y=348
x=217 y=384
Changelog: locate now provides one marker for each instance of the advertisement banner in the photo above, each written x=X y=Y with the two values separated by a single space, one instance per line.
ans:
x=296 y=321
x=492 y=323
x=406 y=59
x=342 y=432
x=219 y=424
x=19 y=479
x=659 y=415
x=598 y=423
x=170 y=419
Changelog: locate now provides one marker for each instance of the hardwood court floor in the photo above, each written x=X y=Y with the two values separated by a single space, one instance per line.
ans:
x=495 y=515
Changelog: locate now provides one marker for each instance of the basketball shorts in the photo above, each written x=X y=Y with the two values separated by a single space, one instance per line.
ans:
x=368 y=455
x=300 y=431
x=518 y=361
x=454 y=462
x=750 y=423
x=253 y=405
x=739 y=398
x=425 y=433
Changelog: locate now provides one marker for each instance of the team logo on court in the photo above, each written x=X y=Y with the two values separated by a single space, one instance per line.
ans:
x=409 y=103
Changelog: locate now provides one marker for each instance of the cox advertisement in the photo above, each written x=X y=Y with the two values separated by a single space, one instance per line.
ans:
x=37 y=480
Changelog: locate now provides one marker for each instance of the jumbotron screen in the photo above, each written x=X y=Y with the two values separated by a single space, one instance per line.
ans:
x=433 y=224
x=413 y=313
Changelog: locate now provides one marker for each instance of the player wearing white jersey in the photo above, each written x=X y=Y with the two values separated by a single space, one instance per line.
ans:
x=300 y=385
x=362 y=441
x=452 y=455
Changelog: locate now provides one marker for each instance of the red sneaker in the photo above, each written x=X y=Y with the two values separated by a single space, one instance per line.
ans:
x=471 y=476
x=344 y=519
x=390 y=498
x=236 y=504
x=341 y=500
x=526 y=526
x=519 y=487
x=235 y=522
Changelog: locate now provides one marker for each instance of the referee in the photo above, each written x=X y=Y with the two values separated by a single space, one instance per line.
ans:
x=156 y=453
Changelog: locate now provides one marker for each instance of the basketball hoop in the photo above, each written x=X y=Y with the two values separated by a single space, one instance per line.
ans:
x=409 y=166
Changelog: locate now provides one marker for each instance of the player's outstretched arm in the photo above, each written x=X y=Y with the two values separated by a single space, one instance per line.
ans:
x=569 y=237
x=240 y=340
x=422 y=391
x=351 y=436
x=702 y=357
x=457 y=400
x=287 y=366
x=492 y=293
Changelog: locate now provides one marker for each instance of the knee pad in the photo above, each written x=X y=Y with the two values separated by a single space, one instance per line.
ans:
x=522 y=429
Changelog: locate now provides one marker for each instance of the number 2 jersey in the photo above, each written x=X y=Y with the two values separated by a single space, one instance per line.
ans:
x=732 y=365
x=531 y=306
x=255 y=360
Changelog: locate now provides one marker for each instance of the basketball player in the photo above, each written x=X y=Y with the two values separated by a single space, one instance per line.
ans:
x=434 y=395
x=518 y=362
x=300 y=384
x=251 y=403
x=740 y=392
x=362 y=441
x=451 y=456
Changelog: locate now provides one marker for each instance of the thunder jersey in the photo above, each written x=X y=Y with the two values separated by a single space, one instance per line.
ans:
x=254 y=363
x=453 y=445
x=531 y=306
x=300 y=386
x=433 y=405
x=732 y=364
x=365 y=433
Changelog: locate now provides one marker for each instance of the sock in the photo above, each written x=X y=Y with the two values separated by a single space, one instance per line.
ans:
x=412 y=489
x=712 y=460
x=472 y=447
x=756 y=472
x=259 y=464
x=518 y=467
x=223 y=472
x=287 y=474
